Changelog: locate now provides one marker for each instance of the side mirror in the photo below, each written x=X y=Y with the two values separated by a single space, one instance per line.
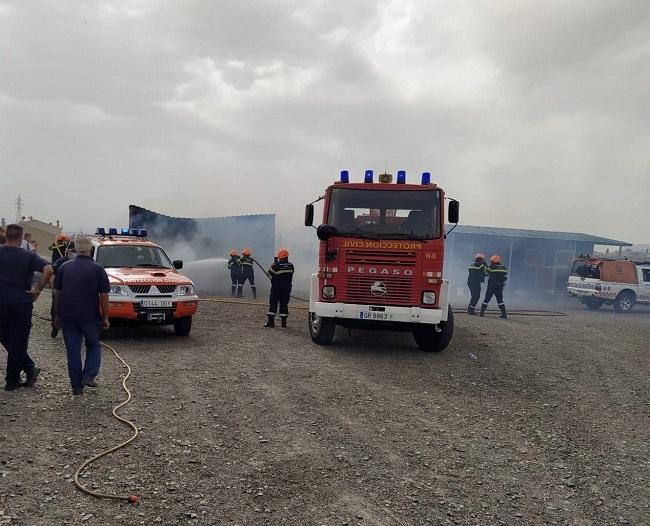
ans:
x=178 y=264
x=453 y=214
x=309 y=215
x=324 y=232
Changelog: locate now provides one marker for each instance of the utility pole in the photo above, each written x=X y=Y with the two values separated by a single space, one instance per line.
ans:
x=19 y=209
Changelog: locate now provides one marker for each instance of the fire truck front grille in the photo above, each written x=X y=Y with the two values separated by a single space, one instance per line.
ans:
x=393 y=258
x=140 y=289
x=166 y=289
x=375 y=290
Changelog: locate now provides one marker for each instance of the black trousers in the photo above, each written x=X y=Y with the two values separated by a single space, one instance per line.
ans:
x=475 y=291
x=15 y=326
x=280 y=294
x=248 y=274
x=235 y=277
x=495 y=290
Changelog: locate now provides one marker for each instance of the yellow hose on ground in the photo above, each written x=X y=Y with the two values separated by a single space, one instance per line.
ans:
x=133 y=499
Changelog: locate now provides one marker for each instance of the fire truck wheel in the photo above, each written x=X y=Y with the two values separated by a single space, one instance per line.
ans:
x=183 y=326
x=321 y=329
x=431 y=341
x=592 y=304
x=624 y=301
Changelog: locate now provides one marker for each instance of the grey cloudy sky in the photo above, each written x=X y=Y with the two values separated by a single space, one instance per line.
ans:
x=532 y=114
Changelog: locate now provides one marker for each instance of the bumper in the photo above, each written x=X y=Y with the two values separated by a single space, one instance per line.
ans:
x=353 y=311
x=394 y=314
x=583 y=293
x=127 y=309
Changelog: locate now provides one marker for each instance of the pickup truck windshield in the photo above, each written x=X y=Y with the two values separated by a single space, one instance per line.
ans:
x=385 y=214
x=132 y=256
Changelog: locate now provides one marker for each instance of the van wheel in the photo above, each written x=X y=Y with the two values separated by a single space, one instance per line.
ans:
x=183 y=326
x=593 y=304
x=431 y=341
x=321 y=329
x=624 y=301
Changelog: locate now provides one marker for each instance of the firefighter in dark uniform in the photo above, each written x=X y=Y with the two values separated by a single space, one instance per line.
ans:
x=60 y=249
x=281 y=273
x=497 y=276
x=475 y=278
x=247 y=273
x=235 y=272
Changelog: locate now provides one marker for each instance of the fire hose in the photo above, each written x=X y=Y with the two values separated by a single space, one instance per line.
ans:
x=132 y=499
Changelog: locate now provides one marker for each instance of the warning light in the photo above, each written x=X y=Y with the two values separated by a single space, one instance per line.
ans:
x=426 y=177
x=345 y=176
x=368 y=177
x=401 y=177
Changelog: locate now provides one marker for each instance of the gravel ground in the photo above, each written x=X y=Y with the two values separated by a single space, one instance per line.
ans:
x=524 y=421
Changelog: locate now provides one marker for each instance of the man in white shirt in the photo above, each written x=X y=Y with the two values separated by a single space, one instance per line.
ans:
x=26 y=243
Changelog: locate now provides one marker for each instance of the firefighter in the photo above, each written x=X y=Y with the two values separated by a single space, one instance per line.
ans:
x=475 y=278
x=235 y=272
x=247 y=273
x=281 y=273
x=497 y=276
x=69 y=254
x=59 y=247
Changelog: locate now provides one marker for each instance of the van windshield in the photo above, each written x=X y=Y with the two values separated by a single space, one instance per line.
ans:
x=132 y=256
x=385 y=214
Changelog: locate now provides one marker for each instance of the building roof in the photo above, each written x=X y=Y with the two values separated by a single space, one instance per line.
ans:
x=41 y=225
x=535 y=234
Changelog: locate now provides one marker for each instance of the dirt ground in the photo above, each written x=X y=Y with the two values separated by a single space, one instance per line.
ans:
x=524 y=421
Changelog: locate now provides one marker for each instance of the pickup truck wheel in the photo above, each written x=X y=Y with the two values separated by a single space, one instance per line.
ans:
x=431 y=341
x=594 y=304
x=183 y=326
x=624 y=301
x=321 y=329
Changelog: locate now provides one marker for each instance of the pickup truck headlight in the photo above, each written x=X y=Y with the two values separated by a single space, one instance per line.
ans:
x=186 y=290
x=118 y=290
x=428 y=297
x=329 y=292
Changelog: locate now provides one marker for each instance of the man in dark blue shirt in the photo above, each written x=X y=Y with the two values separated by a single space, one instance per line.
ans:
x=81 y=288
x=16 y=303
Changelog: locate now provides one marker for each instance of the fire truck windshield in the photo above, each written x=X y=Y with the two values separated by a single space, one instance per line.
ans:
x=132 y=256
x=383 y=214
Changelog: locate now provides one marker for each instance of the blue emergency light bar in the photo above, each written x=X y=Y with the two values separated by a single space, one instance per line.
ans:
x=345 y=176
x=135 y=232
x=401 y=177
x=426 y=177
x=368 y=177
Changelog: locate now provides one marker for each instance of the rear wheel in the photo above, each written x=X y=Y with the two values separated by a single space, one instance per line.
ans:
x=624 y=301
x=183 y=326
x=429 y=340
x=593 y=304
x=321 y=329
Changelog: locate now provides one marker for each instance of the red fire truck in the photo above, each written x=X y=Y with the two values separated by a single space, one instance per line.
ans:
x=381 y=259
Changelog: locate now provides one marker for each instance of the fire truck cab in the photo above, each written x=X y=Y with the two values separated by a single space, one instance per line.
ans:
x=146 y=287
x=381 y=259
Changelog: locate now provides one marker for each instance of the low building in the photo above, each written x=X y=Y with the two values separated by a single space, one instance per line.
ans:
x=539 y=261
x=43 y=234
